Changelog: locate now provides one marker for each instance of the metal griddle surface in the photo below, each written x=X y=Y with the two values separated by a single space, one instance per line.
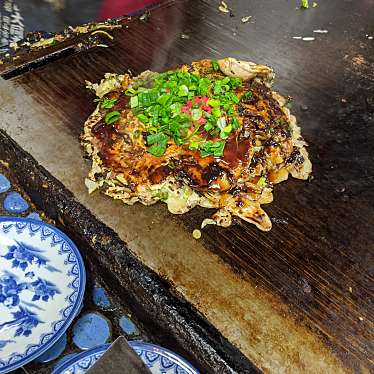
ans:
x=316 y=264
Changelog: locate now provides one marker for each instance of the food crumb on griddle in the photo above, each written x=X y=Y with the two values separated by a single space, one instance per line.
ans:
x=246 y=19
x=196 y=234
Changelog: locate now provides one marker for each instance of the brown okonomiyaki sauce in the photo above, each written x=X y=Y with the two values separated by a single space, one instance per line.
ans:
x=260 y=116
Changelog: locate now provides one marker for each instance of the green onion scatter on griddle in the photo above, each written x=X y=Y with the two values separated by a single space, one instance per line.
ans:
x=304 y=4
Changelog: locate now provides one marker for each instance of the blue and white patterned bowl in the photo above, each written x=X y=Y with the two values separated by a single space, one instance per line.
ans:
x=42 y=281
x=159 y=360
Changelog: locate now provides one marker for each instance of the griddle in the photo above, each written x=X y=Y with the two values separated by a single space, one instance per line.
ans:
x=307 y=284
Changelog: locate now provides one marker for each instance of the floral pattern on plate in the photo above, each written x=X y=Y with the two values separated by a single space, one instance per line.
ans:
x=159 y=360
x=42 y=281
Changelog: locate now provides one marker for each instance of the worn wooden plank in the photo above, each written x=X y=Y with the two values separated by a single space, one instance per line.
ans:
x=318 y=259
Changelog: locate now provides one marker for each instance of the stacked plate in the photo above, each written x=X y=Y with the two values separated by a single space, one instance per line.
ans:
x=42 y=282
x=159 y=360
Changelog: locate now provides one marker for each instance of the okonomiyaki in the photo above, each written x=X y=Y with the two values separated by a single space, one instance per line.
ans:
x=211 y=134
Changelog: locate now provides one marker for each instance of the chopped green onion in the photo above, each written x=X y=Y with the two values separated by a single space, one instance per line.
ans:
x=221 y=123
x=134 y=101
x=235 y=99
x=235 y=123
x=159 y=142
x=156 y=138
x=261 y=182
x=213 y=103
x=143 y=118
x=216 y=112
x=130 y=92
x=235 y=82
x=215 y=65
x=157 y=150
x=210 y=148
x=162 y=195
x=196 y=114
x=193 y=145
x=247 y=95
x=112 y=117
x=183 y=90
x=217 y=87
x=108 y=103
x=204 y=85
x=163 y=99
x=226 y=131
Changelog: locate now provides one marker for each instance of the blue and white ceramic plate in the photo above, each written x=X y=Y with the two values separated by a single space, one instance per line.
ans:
x=42 y=281
x=159 y=360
